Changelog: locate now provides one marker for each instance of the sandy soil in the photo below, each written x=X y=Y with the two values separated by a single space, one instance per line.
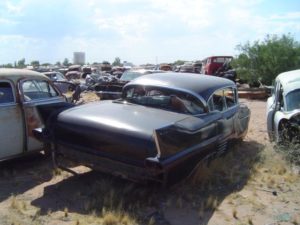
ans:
x=252 y=184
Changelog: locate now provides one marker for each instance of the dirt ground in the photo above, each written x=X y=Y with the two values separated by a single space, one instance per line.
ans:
x=252 y=184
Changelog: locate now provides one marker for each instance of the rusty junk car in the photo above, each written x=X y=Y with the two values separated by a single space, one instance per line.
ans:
x=112 y=89
x=283 y=109
x=160 y=129
x=23 y=95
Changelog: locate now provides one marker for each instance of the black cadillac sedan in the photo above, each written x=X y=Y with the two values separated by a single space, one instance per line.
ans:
x=160 y=129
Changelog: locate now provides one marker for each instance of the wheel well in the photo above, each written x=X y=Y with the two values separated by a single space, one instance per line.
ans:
x=282 y=124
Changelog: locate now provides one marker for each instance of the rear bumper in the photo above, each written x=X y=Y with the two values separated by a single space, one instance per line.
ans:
x=166 y=171
x=106 y=164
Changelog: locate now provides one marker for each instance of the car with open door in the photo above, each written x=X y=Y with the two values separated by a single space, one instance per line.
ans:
x=24 y=94
x=163 y=125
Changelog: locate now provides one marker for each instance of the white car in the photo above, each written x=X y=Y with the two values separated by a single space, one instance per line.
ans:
x=283 y=108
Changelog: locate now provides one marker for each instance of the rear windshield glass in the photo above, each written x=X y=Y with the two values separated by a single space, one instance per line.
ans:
x=166 y=99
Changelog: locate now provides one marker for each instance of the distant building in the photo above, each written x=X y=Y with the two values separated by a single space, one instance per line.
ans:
x=79 y=58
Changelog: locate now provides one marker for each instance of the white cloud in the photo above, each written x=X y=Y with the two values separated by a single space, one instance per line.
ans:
x=5 y=21
x=136 y=30
x=286 y=16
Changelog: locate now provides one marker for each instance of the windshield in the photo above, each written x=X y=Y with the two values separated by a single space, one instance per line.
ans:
x=130 y=75
x=293 y=100
x=167 y=99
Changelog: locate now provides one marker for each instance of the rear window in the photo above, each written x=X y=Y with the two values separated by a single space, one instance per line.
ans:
x=6 y=93
x=220 y=59
x=166 y=99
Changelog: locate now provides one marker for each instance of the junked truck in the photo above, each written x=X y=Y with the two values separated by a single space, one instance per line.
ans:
x=26 y=100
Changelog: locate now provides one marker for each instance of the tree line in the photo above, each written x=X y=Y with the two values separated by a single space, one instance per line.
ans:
x=258 y=61
x=264 y=60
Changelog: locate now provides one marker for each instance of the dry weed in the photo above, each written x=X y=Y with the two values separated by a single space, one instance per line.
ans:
x=234 y=213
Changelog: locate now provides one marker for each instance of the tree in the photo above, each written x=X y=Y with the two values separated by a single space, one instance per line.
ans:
x=35 y=63
x=117 y=62
x=21 y=63
x=46 y=64
x=179 y=62
x=105 y=62
x=8 y=65
x=58 y=63
x=66 y=62
x=264 y=60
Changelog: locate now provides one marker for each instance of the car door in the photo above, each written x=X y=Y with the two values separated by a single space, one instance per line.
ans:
x=197 y=131
x=11 y=122
x=224 y=101
x=272 y=106
x=36 y=92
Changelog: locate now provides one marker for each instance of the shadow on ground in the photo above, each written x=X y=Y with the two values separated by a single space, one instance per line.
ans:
x=193 y=201
x=19 y=175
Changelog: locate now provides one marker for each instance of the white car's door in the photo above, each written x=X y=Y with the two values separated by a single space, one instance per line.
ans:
x=274 y=104
x=11 y=122
x=270 y=115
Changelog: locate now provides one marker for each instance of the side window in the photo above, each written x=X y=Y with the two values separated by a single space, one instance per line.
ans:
x=6 y=93
x=230 y=97
x=36 y=89
x=216 y=101
x=222 y=99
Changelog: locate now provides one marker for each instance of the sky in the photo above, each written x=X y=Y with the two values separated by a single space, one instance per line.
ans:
x=138 y=31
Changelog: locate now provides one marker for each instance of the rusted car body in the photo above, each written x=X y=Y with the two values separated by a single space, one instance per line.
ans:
x=22 y=92
x=160 y=129
x=283 y=108
x=211 y=64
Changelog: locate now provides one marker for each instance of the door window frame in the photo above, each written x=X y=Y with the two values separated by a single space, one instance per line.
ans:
x=225 y=106
x=37 y=99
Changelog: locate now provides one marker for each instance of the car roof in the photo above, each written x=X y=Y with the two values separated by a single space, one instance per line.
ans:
x=289 y=80
x=17 y=74
x=196 y=84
